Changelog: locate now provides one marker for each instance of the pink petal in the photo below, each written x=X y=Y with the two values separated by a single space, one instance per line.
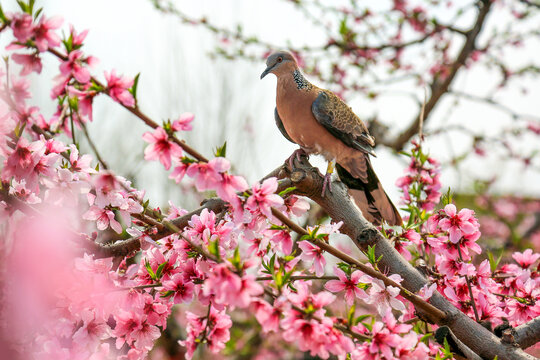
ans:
x=334 y=286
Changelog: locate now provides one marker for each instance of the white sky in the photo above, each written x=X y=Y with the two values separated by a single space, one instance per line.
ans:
x=177 y=76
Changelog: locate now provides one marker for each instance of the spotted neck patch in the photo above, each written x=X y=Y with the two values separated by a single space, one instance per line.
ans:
x=300 y=80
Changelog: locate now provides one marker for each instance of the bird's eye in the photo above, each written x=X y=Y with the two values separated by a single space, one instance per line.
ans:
x=279 y=59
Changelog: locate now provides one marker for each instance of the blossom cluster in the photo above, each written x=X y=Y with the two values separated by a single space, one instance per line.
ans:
x=421 y=185
x=65 y=299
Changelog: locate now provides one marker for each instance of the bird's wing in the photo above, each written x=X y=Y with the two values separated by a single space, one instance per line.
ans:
x=280 y=126
x=338 y=118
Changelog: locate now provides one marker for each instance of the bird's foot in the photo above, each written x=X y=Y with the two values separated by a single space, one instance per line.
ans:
x=296 y=156
x=327 y=184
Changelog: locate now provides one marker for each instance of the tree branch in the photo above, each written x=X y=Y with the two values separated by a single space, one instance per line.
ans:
x=528 y=334
x=440 y=87
x=340 y=207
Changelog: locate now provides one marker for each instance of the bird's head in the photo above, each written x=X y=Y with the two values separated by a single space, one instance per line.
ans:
x=279 y=62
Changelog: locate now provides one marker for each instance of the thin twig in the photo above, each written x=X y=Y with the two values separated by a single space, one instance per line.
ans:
x=93 y=146
x=470 y=289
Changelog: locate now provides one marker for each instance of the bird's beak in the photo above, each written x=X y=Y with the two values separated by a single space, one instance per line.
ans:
x=266 y=72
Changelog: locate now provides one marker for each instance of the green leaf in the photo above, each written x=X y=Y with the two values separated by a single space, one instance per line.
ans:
x=360 y=319
x=236 y=261
x=36 y=14
x=187 y=160
x=370 y=254
x=2 y=15
x=277 y=227
x=272 y=264
x=343 y=29
x=493 y=264
x=287 y=275
x=350 y=315
x=23 y=6
x=149 y=269
x=167 y=294
x=221 y=151
x=368 y=326
x=447 y=198
x=133 y=89
x=159 y=270
x=404 y=153
x=287 y=190
x=213 y=248
x=345 y=267
x=278 y=277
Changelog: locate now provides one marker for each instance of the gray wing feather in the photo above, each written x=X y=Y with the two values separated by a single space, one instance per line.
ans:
x=340 y=121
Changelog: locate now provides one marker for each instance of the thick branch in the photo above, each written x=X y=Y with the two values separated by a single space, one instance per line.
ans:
x=528 y=334
x=340 y=207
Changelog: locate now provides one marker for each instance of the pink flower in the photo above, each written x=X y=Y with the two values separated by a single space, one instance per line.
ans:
x=457 y=224
x=296 y=205
x=267 y=315
x=218 y=324
x=223 y=283
x=249 y=289
x=183 y=290
x=118 y=89
x=183 y=123
x=383 y=341
x=74 y=66
x=103 y=217
x=19 y=90
x=526 y=258
x=208 y=175
x=263 y=197
x=426 y=291
x=350 y=285
x=384 y=297
x=131 y=328
x=22 y=26
x=229 y=185
x=84 y=100
x=161 y=148
x=283 y=238
x=80 y=163
x=77 y=38
x=179 y=172
x=155 y=311
x=30 y=62
x=92 y=331
x=204 y=229
x=44 y=34
x=313 y=253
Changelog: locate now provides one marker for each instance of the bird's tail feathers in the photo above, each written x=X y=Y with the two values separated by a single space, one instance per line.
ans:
x=370 y=196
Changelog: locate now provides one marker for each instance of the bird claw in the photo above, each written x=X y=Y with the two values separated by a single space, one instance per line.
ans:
x=295 y=155
x=327 y=183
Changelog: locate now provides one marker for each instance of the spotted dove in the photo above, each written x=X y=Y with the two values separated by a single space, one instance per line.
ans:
x=321 y=123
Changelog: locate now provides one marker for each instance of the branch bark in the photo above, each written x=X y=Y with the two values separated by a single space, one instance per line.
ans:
x=340 y=207
x=528 y=334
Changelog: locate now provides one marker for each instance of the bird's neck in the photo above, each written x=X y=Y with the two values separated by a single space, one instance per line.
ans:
x=295 y=79
x=300 y=80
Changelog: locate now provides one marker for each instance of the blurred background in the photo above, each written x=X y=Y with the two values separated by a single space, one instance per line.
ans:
x=206 y=57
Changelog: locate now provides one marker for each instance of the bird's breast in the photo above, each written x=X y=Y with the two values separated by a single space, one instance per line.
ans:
x=294 y=109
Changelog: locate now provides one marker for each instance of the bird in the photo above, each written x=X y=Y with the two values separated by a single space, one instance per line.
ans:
x=321 y=123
